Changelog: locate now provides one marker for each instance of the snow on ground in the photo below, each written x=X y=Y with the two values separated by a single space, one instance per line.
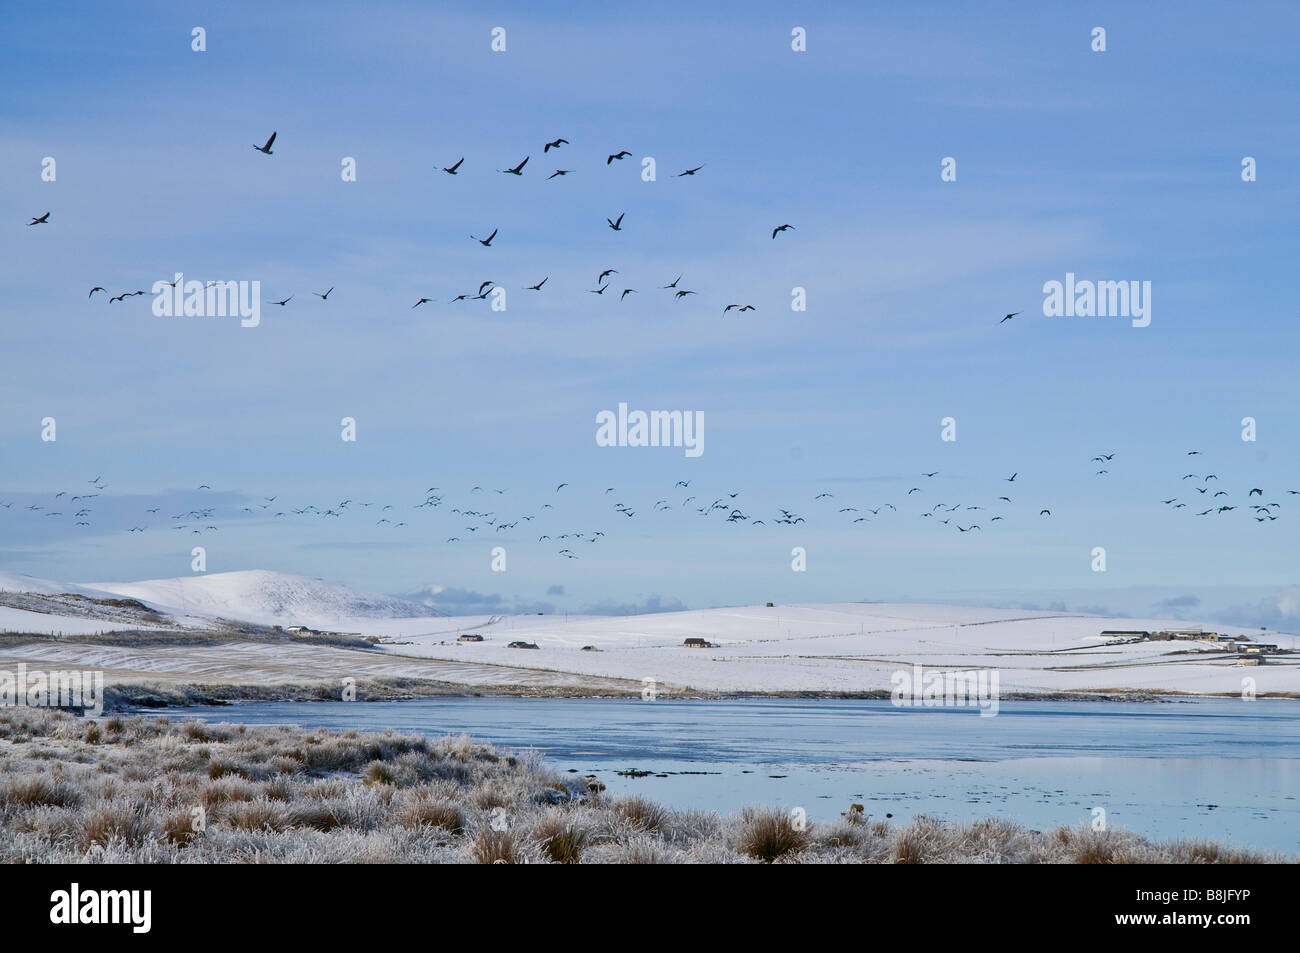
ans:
x=856 y=647
x=849 y=647
x=261 y=663
x=39 y=623
x=20 y=582
x=267 y=598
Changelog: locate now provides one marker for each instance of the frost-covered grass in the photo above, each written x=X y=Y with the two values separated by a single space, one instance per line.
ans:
x=129 y=790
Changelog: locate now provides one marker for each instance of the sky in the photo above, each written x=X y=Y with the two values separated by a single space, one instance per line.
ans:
x=1116 y=165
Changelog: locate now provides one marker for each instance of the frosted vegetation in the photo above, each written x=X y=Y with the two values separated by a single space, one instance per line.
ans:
x=128 y=790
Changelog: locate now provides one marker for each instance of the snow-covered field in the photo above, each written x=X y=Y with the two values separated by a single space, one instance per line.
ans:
x=852 y=647
x=840 y=647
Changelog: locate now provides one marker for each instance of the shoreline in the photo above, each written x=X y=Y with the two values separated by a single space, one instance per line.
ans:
x=160 y=791
x=148 y=697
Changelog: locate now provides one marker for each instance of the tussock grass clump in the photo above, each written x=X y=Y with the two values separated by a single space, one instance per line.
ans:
x=195 y=730
x=489 y=797
x=109 y=823
x=1207 y=852
x=40 y=789
x=259 y=815
x=495 y=847
x=923 y=841
x=178 y=828
x=767 y=834
x=561 y=840
x=1082 y=845
x=226 y=789
x=640 y=813
x=637 y=849
x=318 y=816
x=844 y=834
x=425 y=810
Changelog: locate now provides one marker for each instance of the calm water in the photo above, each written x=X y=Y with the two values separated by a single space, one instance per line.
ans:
x=1224 y=768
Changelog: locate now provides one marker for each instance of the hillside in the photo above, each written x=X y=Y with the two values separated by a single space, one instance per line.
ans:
x=268 y=598
x=823 y=648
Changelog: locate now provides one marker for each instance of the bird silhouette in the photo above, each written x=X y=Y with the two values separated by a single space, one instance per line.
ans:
x=325 y=296
x=1009 y=317
x=555 y=144
x=487 y=242
x=451 y=170
x=617 y=225
x=538 y=286
x=519 y=169
x=780 y=228
x=558 y=172
x=618 y=155
x=43 y=220
x=266 y=149
x=690 y=171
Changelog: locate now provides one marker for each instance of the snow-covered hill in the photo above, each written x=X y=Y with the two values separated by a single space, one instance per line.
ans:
x=832 y=647
x=21 y=582
x=268 y=598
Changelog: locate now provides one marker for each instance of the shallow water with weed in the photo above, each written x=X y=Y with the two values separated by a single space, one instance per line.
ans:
x=1224 y=769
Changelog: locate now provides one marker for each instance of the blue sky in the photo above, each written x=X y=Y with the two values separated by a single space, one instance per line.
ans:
x=1122 y=165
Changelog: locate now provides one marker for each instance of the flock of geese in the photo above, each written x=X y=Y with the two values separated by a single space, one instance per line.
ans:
x=486 y=288
x=484 y=509
x=1204 y=497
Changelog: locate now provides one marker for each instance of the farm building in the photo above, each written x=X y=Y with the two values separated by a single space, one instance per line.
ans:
x=1256 y=648
x=1166 y=635
x=694 y=643
x=522 y=645
x=470 y=637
